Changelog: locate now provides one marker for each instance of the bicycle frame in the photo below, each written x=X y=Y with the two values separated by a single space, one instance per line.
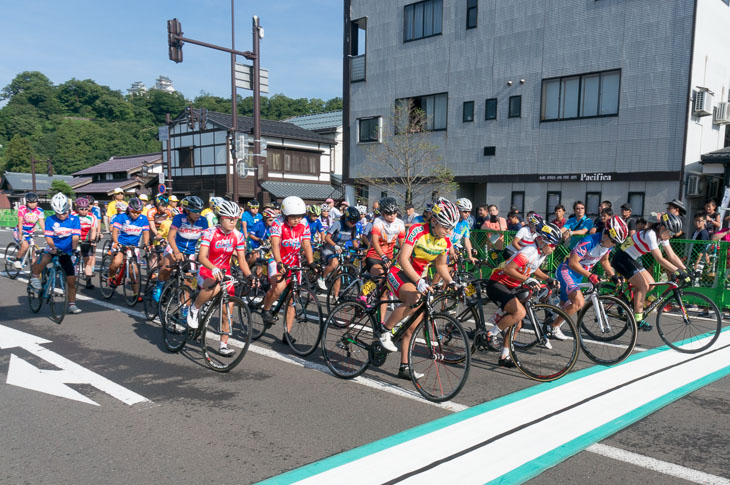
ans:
x=672 y=287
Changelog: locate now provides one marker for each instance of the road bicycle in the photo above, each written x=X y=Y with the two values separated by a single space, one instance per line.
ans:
x=53 y=291
x=128 y=276
x=11 y=252
x=438 y=350
x=339 y=282
x=306 y=327
x=80 y=265
x=223 y=315
x=182 y=273
x=687 y=321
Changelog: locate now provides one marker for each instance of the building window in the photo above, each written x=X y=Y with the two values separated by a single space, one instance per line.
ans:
x=582 y=96
x=422 y=19
x=515 y=106
x=593 y=203
x=298 y=162
x=636 y=199
x=362 y=192
x=518 y=200
x=471 y=14
x=435 y=107
x=185 y=157
x=490 y=151
x=553 y=200
x=490 y=109
x=468 y=114
x=369 y=130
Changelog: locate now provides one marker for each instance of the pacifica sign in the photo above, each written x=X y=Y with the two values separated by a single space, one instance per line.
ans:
x=579 y=177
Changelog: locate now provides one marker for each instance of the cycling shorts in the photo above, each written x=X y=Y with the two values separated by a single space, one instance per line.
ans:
x=499 y=293
x=191 y=257
x=569 y=281
x=87 y=249
x=66 y=261
x=327 y=253
x=396 y=279
x=206 y=274
x=26 y=236
x=625 y=265
x=168 y=250
x=274 y=271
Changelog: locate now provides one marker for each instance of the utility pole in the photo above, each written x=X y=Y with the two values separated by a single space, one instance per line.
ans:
x=234 y=102
x=169 y=156
x=33 y=161
x=256 y=74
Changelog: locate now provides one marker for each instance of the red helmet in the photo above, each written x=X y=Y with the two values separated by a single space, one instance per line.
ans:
x=616 y=229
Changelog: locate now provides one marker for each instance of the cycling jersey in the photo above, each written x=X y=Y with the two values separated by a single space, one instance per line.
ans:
x=220 y=248
x=188 y=232
x=326 y=221
x=426 y=247
x=591 y=251
x=250 y=219
x=528 y=260
x=387 y=234
x=461 y=231
x=290 y=239
x=210 y=216
x=158 y=216
x=163 y=229
x=261 y=231
x=341 y=234
x=641 y=243
x=96 y=211
x=130 y=230
x=62 y=232
x=315 y=227
x=526 y=236
x=29 y=218
x=87 y=222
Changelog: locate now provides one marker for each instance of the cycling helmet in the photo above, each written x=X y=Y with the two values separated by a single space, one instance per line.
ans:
x=428 y=208
x=162 y=199
x=60 y=204
x=31 y=197
x=535 y=219
x=269 y=212
x=252 y=204
x=314 y=210
x=362 y=209
x=351 y=214
x=388 y=205
x=82 y=203
x=277 y=205
x=227 y=208
x=445 y=213
x=293 y=206
x=121 y=206
x=617 y=230
x=464 y=204
x=325 y=207
x=549 y=232
x=214 y=201
x=672 y=223
x=193 y=203
x=135 y=205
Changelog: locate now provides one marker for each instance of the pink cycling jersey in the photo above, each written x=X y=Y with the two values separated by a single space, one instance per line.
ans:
x=29 y=218
x=290 y=239
x=220 y=248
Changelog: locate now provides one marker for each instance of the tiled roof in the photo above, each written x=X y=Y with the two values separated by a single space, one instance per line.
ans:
x=107 y=187
x=321 y=121
x=23 y=182
x=121 y=164
x=300 y=189
x=278 y=129
x=721 y=155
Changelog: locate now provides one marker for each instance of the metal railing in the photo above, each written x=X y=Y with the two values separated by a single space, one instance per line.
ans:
x=357 y=68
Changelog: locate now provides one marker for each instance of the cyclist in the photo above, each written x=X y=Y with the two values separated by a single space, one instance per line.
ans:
x=217 y=246
x=62 y=233
x=342 y=233
x=518 y=270
x=289 y=234
x=425 y=217
x=127 y=230
x=89 y=225
x=527 y=234
x=250 y=217
x=424 y=244
x=587 y=253
x=185 y=231
x=315 y=224
x=111 y=208
x=209 y=213
x=174 y=202
x=94 y=209
x=627 y=260
x=462 y=229
x=158 y=214
x=259 y=234
x=28 y=216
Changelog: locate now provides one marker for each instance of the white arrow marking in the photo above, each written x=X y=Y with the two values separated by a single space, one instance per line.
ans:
x=23 y=374
x=53 y=381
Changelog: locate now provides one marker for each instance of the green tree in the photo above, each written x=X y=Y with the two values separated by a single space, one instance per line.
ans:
x=62 y=187
x=18 y=154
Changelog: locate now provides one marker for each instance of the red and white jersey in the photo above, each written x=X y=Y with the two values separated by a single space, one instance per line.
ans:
x=290 y=239
x=528 y=260
x=29 y=218
x=526 y=236
x=87 y=222
x=642 y=242
x=387 y=234
x=221 y=246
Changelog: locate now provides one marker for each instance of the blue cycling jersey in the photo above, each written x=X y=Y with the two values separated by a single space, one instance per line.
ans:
x=261 y=231
x=460 y=231
x=62 y=231
x=188 y=232
x=130 y=230
x=315 y=227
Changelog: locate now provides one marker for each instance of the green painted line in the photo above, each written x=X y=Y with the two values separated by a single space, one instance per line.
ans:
x=538 y=465
x=354 y=454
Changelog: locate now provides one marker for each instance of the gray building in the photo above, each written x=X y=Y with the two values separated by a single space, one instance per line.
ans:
x=539 y=102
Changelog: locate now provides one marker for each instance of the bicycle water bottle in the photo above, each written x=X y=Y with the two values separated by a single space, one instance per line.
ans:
x=398 y=325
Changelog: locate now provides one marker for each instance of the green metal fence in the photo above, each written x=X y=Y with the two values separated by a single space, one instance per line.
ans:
x=9 y=217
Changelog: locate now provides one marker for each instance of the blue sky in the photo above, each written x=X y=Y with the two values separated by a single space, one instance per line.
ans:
x=118 y=42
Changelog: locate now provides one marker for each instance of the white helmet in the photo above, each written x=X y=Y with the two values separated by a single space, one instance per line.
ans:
x=464 y=204
x=445 y=213
x=362 y=209
x=60 y=204
x=214 y=201
x=227 y=208
x=325 y=207
x=293 y=206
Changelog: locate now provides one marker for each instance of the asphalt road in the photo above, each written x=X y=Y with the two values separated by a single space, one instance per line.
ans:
x=271 y=414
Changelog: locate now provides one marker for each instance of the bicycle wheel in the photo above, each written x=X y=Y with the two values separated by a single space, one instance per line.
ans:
x=58 y=296
x=254 y=296
x=611 y=340
x=439 y=357
x=346 y=339
x=306 y=329
x=543 y=359
x=106 y=247
x=131 y=283
x=150 y=305
x=35 y=301
x=10 y=257
x=106 y=289
x=693 y=331
x=175 y=326
x=349 y=290
x=236 y=325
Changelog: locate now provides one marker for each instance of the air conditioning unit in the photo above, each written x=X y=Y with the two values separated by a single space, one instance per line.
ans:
x=722 y=114
x=703 y=103
x=693 y=186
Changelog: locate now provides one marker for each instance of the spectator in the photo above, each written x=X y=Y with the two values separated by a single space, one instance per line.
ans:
x=600 y=223
x=495 y=223
x=700 y=234
x=333 y=212
x=560 y=219
x=626 y=216
x=482 y=215
x=514 y=209
x=712 y=218
x=513 y=221
x=579 y=224
x=410 y=216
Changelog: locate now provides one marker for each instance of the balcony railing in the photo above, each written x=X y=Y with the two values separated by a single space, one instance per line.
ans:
x=357 y=68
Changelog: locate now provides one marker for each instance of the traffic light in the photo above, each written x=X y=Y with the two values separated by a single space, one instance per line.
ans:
x=174 y=30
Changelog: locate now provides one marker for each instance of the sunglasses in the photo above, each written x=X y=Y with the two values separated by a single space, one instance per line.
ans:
x=387 y=213
x=135 y=212
x=233 y=219
x=82 y=208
